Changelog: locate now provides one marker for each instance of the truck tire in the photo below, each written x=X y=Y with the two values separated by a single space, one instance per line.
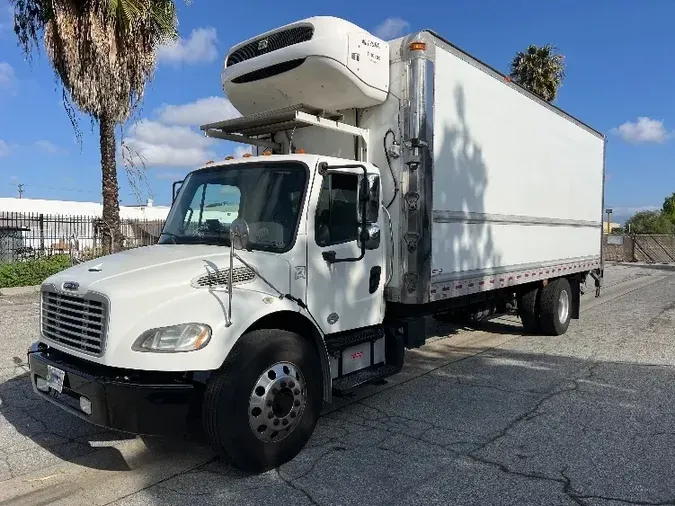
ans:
x=261 y=407
x=528 y=309
x=556 y=307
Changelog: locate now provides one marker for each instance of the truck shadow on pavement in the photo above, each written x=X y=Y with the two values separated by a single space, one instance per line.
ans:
x=531 y=426
x=499 y=427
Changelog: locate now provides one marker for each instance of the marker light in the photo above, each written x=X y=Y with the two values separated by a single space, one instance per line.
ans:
x=418 y=46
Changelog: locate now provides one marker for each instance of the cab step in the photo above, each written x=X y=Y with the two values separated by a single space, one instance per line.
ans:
x=344 y=385
x=340 y=342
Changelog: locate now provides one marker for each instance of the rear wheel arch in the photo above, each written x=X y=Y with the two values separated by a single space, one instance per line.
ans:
x=297 y=323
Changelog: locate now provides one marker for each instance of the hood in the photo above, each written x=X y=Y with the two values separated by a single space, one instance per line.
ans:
x=166 y=265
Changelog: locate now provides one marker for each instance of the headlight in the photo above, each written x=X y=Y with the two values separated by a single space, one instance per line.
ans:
x=185 y=337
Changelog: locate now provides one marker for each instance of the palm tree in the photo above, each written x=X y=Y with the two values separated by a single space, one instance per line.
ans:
x=541 y=70
x=103 y=52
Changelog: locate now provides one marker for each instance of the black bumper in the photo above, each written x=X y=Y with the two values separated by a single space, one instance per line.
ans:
x=145 y=403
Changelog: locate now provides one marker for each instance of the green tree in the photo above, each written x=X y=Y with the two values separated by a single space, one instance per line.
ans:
x=650 y=222
x=103 y=52
x=540 y=70
x=668 y=208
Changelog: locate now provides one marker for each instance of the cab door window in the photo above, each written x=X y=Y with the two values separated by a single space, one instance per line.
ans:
x=336 y=219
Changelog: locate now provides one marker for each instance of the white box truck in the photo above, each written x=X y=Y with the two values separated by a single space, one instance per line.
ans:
x=392 y=180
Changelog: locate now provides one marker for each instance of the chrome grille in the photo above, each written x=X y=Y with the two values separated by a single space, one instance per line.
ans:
x=271 y=43
x=221 y=277
x=76 y=322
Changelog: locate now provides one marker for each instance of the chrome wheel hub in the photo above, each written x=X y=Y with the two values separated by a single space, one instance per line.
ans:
x=277 y=401
x=563 y=306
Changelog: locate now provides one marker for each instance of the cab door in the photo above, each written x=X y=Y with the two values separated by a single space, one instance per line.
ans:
x=345 y=260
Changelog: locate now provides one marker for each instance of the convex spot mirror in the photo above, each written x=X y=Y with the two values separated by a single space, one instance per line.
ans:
x=239 y=234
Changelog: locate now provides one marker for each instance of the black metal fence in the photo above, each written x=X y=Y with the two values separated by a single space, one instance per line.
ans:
x=24 y=236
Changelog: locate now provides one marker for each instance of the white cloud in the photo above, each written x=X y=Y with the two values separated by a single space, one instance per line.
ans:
x=199 y=112
x=240 y=151
x=391 y=28
x=156 y=144
x=5 y=148
x=199 y=47
x=7 y=76
x=643 y=130
x=48 y=147
x=170 y=176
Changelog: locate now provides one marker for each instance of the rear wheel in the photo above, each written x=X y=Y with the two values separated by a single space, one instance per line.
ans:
x=261 y=407
x=528 y=310
x=556 y=307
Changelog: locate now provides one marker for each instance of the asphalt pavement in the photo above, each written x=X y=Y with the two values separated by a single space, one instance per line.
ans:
x=478 y=416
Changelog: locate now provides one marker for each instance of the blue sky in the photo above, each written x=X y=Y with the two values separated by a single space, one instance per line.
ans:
x=619 y=80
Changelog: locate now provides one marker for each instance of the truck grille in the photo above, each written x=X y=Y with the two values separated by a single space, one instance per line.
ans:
x=271 y=43
x=76 y=322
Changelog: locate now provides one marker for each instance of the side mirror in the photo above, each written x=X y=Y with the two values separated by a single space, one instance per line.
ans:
x=369 y=198
x=370 y=236
x=239 y=234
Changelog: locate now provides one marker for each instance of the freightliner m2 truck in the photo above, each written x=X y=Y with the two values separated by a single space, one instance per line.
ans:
x=389 y=181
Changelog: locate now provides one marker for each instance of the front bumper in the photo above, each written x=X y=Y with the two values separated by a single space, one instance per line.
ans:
x=138 y=402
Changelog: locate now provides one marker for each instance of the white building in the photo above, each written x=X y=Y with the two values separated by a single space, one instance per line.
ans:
x=73 y=208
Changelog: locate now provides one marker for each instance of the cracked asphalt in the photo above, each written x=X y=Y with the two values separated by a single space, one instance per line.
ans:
x=478 y=416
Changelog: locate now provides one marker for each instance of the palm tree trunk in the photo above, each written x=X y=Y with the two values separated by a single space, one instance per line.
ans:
x=111 y=206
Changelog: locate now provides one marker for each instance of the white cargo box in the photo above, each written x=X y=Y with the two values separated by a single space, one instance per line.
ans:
x=509 y=190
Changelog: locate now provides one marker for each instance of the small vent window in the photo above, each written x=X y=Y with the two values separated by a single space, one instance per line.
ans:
x=272 y=42
x=221 y=277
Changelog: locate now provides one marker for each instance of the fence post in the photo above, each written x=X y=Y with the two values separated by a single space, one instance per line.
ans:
x=41 y=220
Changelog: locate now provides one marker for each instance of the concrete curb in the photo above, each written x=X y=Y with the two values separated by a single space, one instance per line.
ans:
x=19 y=290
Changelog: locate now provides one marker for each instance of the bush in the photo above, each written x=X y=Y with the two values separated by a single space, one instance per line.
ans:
x=31 y=272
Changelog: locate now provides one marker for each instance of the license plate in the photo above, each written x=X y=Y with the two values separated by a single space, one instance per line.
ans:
x=55 y=378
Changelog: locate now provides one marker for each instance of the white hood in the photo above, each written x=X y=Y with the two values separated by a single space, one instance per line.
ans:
x=156 y=286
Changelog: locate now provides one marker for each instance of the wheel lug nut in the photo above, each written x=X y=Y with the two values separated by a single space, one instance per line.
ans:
x=275 y=391
x=285 y=422
x=296 y=391
x=283 y=384
x=276 y=422
x=270 y=415
x=291 y=384
x=293 y=415
x=296 y=403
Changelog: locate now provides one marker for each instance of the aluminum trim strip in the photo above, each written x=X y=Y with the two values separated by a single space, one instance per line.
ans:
x=445 y=216
x=469 y=283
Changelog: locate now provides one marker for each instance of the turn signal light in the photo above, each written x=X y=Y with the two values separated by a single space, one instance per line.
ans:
x=267 y=152
x=247 y=155
x=300 y=151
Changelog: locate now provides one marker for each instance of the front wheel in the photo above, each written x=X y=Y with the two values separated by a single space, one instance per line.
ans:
x=261 y=407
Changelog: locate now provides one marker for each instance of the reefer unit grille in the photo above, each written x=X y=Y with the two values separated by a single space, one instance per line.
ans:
x=271 y=43
x=76 y=322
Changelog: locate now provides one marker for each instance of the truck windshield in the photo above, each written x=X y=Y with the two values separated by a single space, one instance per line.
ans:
x=267 y=195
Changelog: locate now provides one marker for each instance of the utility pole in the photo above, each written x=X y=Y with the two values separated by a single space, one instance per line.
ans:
x=20 y=187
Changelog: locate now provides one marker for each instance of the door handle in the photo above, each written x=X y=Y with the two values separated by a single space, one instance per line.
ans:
x=374 y=280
